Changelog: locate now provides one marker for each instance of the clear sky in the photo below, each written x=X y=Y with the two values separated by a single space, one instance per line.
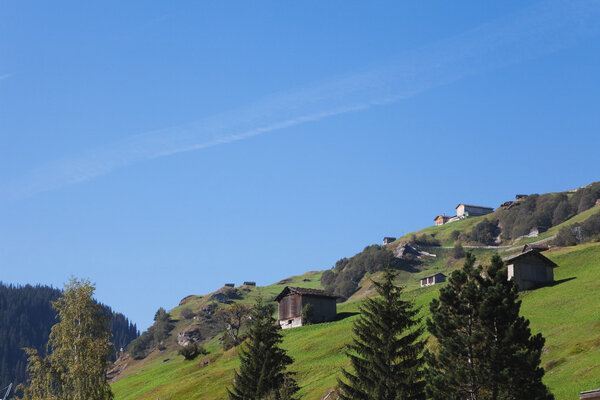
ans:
x=161 y=149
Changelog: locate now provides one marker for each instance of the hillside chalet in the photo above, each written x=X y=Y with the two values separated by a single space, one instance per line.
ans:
x=467 y=210
x=433 y=279
x=530 y=269
x=293 y=299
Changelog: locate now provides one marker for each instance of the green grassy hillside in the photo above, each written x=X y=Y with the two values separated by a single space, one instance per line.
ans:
x=567 y=314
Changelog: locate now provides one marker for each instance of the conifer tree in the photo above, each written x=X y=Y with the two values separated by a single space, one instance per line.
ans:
x=484 y=348
x=386 y=350
x=455 y=372
x=263 y=366
x=79 y=346
x=513 y=359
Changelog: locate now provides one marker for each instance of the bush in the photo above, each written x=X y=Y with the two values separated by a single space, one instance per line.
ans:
x=455 y=235
x=308 y=314
x=458 y=251
x=228 y=342
x=191 y=351
x=484 y=232
x=187 y=313
x=425 y=240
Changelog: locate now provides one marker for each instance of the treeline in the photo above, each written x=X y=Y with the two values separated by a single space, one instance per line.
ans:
x=343 y=279
x=26 y=317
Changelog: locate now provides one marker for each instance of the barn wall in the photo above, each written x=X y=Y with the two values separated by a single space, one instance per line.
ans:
x=324 y=308
x=290 y=323
x=290 y=307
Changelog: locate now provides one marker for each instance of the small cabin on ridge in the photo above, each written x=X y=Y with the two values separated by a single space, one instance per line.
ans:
x=292 y=300
x=388 y=240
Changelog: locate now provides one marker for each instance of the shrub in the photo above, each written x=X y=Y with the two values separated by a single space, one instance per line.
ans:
x=187 y=313
x=458 y=251
x=565 y=237
x=191 y=351
x=425 y=240
x=308 y=314
x=484 y=232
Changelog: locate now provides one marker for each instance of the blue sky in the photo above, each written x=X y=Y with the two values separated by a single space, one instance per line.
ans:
x=163 y=149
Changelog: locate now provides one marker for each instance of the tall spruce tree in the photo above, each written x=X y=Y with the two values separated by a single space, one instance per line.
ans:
x=78 y=350
x=386 y=350
x=455 y=371
x=263 y=366
x=513 y=359
x=484 y=348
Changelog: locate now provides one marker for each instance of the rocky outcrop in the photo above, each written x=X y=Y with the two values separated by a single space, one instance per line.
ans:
x=191 y=334
x=405 y=250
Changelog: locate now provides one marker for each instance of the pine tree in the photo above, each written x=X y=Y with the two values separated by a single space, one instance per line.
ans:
x=263 y=366
x=386 y=350
x=484 y=348
x=455 y=371
x=78 y=348
x=513 y=359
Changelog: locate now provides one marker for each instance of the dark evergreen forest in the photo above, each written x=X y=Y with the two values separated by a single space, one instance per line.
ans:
x=26 y=317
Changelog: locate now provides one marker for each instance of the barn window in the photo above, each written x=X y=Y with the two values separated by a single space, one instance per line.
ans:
x=290 y=321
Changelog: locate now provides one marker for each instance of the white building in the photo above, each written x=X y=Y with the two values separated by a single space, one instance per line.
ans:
x=467 y=210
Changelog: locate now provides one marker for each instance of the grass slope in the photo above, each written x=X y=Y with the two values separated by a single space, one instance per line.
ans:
x=567 y=314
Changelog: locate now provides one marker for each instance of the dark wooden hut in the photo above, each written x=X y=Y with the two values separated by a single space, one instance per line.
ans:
x=293 y=299
x=530 y=269
x=433 y=279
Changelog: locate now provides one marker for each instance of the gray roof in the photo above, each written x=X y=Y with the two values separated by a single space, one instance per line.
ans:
x=532 y=252
x=304 y=292
x=471 y=205
x=590 y=394
x=429 y=276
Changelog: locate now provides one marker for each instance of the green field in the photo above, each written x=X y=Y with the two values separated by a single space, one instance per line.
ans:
x=567 y=314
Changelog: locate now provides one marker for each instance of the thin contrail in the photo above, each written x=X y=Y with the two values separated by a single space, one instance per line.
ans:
x=541 y=29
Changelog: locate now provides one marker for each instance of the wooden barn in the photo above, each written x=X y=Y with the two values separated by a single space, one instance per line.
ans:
x=433 y=279
x=530 y=269
x=292 y=299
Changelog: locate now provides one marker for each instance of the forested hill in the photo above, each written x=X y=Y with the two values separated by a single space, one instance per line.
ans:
x=26 y=317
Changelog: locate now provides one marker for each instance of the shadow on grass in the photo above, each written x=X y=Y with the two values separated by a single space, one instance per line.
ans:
x=344 y=315
x=555 y=283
